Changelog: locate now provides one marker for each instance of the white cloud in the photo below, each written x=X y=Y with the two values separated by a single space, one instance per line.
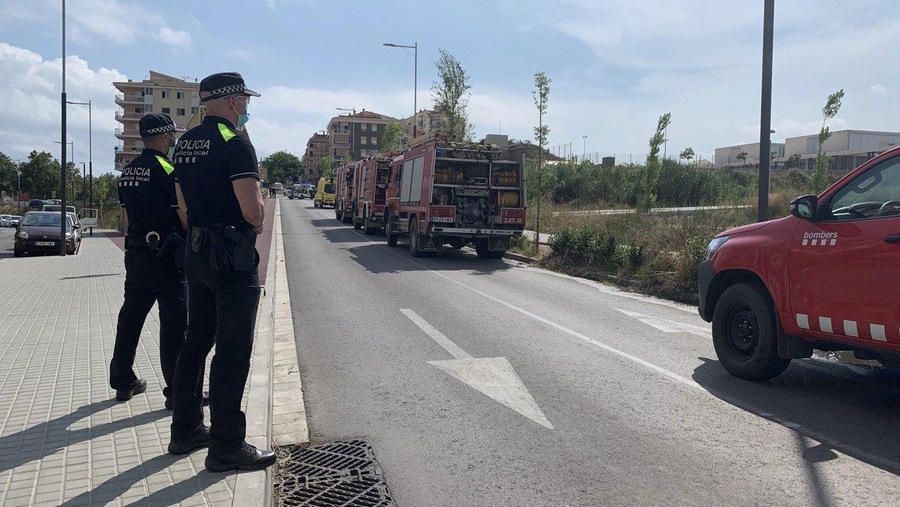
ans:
x=106 y=20
x=31 y=117
x=879 y=89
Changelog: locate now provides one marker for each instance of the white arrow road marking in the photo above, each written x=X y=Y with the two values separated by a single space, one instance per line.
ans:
x=493 y=376
x=669 y=326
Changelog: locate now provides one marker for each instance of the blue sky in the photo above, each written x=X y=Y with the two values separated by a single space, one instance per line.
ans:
x=615 y=65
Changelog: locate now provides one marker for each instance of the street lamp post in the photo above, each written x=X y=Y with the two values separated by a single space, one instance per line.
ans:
x=415 y=48
x=90 y=151
x=584 y=149
x=62 y=139
x=765 y=123
x=19 y=195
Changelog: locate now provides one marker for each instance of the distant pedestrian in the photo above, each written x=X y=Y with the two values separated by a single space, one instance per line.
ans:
x=155 y=225
x=217 y=178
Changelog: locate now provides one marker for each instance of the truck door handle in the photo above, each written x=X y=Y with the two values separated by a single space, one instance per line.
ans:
x=894 y=238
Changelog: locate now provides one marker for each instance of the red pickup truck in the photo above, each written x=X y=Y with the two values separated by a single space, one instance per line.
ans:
x=826 y=277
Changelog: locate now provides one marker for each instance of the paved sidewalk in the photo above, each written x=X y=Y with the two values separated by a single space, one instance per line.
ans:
x=63 y=437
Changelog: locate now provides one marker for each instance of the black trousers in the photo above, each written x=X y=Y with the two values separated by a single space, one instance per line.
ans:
x=222 y=312
x=149 y=280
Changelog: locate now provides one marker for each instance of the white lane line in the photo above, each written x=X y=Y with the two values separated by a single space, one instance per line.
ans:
x=668 y=325
x=447 y=344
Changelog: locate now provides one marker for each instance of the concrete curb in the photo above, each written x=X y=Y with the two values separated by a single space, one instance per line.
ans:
x=255 y=488
x=519 y=257
x=289 y=424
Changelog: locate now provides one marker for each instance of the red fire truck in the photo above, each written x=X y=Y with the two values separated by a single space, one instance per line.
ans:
x=345 y=191
x=826 y=277
x=442 y=192
x=370 y=182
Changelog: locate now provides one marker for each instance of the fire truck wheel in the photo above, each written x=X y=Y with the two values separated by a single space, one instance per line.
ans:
x=745 y=333
x=389 y=233
x=366 y=228
x=414 y=249
x=481 y=248
x=357 y=223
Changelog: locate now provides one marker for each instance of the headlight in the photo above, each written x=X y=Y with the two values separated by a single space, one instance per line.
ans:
x=22 y=235
x=68 y=234
x=714 y=245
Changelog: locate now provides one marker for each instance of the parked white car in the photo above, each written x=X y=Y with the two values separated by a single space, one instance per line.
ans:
x=4 y=220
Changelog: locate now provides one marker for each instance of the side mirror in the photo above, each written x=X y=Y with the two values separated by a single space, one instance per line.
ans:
x=805 y=207
x=76 y=226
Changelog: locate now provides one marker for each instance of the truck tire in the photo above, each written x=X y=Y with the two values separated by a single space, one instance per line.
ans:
x=481 y=248
x=745 y=333
x=368 y=230
x=348 y=218
x=414 y=249
x=389 y=233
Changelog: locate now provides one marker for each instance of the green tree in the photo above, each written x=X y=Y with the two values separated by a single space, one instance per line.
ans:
x=793 y=162
x=541 y=95
x=390 y=139
x=451 y=96
x=281 y=165
x=742 y=157
x=687 y=154
x=326 y=167
x=832 y=106
x=650 y=173
x=41 y=175
x=7 y=174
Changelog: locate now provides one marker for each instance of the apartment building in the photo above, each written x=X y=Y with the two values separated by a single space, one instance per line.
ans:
x=159 y=93
x=357 y=135
x=427 y=122
x=318 y=146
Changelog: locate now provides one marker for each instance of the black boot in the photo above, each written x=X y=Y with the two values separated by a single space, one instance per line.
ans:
x=136 y=387
x=198 y=440
x=246 y=457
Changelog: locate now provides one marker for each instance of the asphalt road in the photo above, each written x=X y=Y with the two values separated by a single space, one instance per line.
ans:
x=493 y=383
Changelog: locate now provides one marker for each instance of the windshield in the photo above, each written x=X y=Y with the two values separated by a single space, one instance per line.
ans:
x=329 y=188
x=41 y=219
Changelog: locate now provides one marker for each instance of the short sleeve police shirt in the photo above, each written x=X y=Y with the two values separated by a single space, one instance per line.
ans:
x=208 y=158
x=147 y=192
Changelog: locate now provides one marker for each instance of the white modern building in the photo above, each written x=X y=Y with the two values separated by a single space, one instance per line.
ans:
x=847 y=149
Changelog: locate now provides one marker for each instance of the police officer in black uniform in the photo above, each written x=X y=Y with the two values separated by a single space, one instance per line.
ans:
x=147 y=192
x=218 y=180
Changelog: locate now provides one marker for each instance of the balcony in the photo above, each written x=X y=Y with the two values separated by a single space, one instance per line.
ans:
x=122 y=100
x=131 y=134
x=123 y=117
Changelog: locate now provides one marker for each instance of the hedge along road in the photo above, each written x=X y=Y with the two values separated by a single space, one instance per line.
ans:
x=492 y=383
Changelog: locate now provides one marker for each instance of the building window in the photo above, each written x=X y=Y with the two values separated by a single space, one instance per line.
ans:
x=374 y=141
x=194 y=110
x=138 y=110
x=362 y=140
x=148 y=91
x=374 y=127
x=179 y=95
x=364 y=126
x=179 y=111
x=164 y=94
x=166 y=110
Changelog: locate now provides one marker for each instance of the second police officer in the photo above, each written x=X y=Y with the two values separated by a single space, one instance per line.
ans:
x=218 y=180
x=155 y=225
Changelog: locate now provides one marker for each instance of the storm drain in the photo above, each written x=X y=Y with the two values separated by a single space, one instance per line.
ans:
x=328 y=475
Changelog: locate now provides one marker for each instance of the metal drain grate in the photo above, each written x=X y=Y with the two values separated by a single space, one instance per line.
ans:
x=329 y=475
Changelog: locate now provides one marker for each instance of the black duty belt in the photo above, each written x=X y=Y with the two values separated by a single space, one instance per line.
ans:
x=152 y=240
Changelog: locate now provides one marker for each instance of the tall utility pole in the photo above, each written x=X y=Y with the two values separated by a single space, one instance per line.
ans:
x=584 y=149
x=415 y=48
x=62 y=102
x=765 y=121
x=90 y=151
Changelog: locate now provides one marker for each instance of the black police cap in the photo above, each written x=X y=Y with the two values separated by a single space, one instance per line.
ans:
x=223 y=84
x=154 y=124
